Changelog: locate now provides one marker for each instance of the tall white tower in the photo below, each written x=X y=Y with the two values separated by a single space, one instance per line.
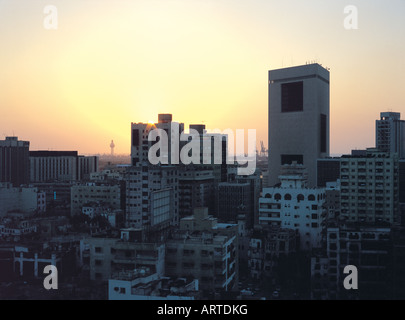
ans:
x=112 y=146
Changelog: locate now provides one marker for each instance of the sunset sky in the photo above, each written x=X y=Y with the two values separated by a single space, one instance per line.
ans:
x=111 y=63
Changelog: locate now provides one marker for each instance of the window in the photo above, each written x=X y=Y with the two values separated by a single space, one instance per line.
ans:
x=135 y=137
x=323 y=132
x=292 y=96
x=290 y=158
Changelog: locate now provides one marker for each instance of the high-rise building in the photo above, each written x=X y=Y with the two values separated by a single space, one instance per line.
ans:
x=152 y=194
x=196 y=189
x=390 y=133
x=255 y=185
x=14 y=161
x=370 y=188
x=139 y=137
x=210 y=143
x=298 y=118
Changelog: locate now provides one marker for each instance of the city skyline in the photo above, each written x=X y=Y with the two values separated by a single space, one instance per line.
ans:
x=128 y=168
x=110 y=64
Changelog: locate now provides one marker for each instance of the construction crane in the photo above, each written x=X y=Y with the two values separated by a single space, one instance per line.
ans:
x=263 y=150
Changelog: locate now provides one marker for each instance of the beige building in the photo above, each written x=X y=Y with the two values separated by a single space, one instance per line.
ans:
x=205 y=250
x=94 y=192
x=105 y=256
x=370 y=188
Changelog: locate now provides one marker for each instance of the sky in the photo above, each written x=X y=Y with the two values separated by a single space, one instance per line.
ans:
x=110 y=63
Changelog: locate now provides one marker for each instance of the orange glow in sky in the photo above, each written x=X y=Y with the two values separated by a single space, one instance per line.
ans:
x=111 y=63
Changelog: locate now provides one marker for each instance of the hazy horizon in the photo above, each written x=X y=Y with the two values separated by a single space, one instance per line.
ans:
x=112 y=63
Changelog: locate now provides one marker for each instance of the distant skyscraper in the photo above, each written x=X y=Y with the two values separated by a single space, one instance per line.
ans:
x=390 y=133
x=298 y=118
x=14 y=161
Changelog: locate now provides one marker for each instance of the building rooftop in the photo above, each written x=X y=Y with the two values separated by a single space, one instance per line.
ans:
x=45 y=153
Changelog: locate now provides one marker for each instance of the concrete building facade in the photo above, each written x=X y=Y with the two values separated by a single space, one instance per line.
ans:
x=106 y=256
x=142 y=187
x=206 y=250
x=295 y=206
x=94 y=192
x=235 y=199
x=298 y=118
x=370 y=188
x=63 y=166
x=25 y=200
x=139 y=138
x=390 y=133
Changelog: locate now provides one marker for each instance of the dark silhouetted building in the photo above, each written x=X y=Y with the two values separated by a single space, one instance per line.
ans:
x=327 y=170
x=390 y=133
x=14 y=161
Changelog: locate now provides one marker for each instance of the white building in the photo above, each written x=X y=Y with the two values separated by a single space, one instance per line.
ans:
x=294 y=206
x=152 y=196
x=49 y=166
x=298 y=118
